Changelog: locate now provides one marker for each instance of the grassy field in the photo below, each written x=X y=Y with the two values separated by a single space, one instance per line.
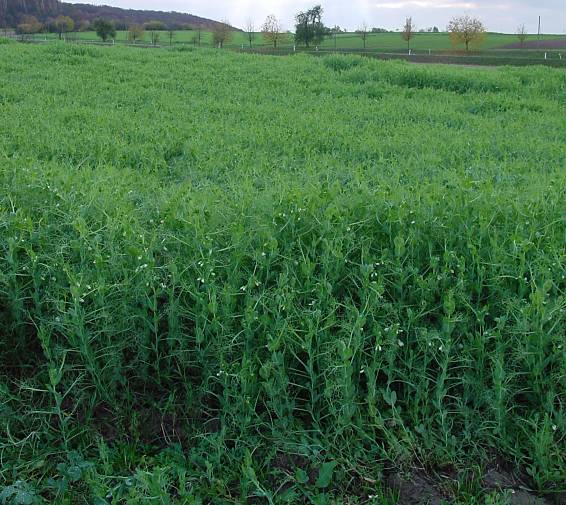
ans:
x=231 y=278
x=375 y=41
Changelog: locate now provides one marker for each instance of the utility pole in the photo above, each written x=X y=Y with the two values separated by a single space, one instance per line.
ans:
x=539 y=27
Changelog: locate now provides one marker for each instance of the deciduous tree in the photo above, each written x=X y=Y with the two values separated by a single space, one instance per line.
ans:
x=83 y=25
x=29 y=25
x=104 y=28
x=309 y=27
x=466 y=30
x=408 y=32
x=64 y=24
x=271 y=30
x=135 y=33
x=221 y=33
x=250 y=31
x=522 y=34
x=154 y=27
x=363 y=31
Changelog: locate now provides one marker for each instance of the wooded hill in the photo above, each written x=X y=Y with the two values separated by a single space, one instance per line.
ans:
x=12 y=12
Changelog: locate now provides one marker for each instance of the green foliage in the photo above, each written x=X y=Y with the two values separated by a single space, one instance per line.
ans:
x=64 y=24
x=310 y=29
x=325 y=474
x=155 y=26
x=19 y=493
x=104 y=28
x=271 y=285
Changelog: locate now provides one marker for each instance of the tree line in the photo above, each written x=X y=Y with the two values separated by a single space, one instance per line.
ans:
x=310 y=30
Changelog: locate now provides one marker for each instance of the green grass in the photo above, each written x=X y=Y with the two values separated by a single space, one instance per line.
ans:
x=227 y=278
x=375 y=41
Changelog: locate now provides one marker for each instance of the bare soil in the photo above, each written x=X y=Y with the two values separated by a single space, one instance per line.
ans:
x=418 y=488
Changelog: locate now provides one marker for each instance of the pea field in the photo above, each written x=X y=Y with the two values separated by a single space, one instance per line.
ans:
x=232 y=278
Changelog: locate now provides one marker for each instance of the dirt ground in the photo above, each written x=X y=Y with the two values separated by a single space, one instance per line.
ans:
x=418 y=488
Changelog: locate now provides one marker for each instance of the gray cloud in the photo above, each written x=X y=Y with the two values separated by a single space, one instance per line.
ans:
x=497 y=15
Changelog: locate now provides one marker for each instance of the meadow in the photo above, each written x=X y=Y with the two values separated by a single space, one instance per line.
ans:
x=387 y=42
x=233 y=278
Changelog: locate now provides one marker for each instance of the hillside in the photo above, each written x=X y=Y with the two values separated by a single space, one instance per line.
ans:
x=120 y=16
x=12 y=11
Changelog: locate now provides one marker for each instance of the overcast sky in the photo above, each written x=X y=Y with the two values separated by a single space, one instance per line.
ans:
x=497 y=15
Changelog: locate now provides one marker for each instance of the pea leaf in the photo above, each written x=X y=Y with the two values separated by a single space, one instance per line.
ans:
x=325 y=474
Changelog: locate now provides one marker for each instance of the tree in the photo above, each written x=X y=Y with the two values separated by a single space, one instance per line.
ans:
x=522 y=34
x=135 y=33
x=309 y=28
x=221 y=34
x=408 y=32
x=363 y=31
x=104 y=28
x=435 y=29
x=250 y=31
x=63 y=24
x=466 y=30
x=29 y=25
x=84 y=25
x=49 y=25
x=271 y=30
x=154 y=27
